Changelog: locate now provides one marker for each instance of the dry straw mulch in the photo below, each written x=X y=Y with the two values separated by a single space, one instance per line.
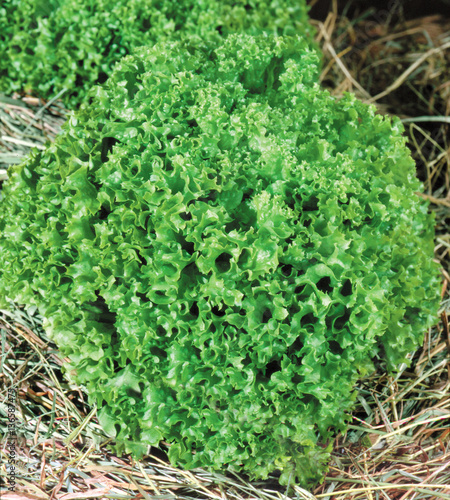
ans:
x=27 y=122
x=398 y=443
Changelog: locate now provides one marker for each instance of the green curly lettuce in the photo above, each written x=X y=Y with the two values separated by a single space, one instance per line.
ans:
x=54 y=45
x=222 y=249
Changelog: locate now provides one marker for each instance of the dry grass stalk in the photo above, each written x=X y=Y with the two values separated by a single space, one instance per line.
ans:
x=27 y=123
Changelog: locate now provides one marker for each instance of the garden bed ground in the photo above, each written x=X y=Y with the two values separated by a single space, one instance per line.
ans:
x=398 y=443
